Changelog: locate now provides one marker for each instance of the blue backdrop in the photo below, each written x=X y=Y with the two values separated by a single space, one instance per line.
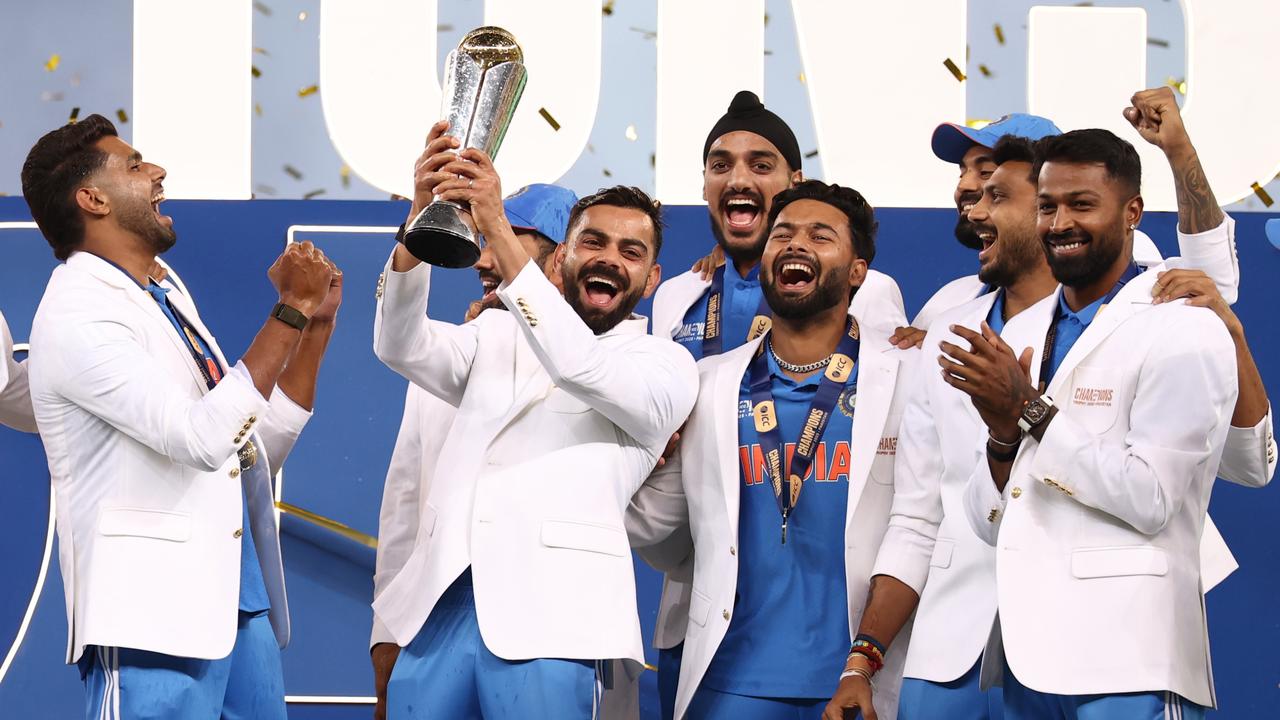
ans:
x=339 y=464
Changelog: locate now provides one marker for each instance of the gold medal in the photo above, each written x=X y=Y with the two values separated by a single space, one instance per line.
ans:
x=759 y=326
x=840 y=368
x=248 y=455
x=766 y=419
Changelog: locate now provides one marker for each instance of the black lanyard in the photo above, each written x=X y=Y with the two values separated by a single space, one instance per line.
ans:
x=1051 y=337
x=839 y=372
x=712 y=336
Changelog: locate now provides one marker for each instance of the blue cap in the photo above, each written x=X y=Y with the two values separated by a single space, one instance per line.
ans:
x=541 y=208
x=952 y=141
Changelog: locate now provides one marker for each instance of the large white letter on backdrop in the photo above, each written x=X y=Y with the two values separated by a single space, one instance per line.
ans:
x=696 y=81
x=192 y=95
x=878 y=88
x=380 y=86
x=1231 y=121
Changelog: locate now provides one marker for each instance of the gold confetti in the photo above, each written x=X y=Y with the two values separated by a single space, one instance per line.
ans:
x=48 y=96
x=550 y=120
x=53 y=62
x=302 y=16
x=75 y=113
x=768 y=52
x=256 y=72
x=308 y=90
x=955 y=70
x=766 y=19
x=257 y=109
x=122 y=116
x=313 y=193
x=646 y=34
x=444 y=27
x=1176 y=84
x=986 y=71
x=607 y=7
x=1158 y=42
x=1262 y=194
x=977 y=123
x=630 y=133
x=653 y=160
x=264 y=189
x=262 y=8
x=607 y=173
x=802 y=80
x=999 y=34
x=293 y=172
x=344 y=172
x=811 y=154
x=261 y=51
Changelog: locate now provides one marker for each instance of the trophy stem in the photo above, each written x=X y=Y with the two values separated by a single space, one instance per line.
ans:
x=442 y=236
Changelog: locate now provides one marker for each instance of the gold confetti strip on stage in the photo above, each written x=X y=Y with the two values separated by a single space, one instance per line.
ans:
x=1158 y=42
x=313 y=193
x=53 y=62
x=999 y=34
x=955 y=70
x=255 y=71
x=329 y=524
x=293 y=172
x=986 y=71
x=811 y=154
x=550 y=120
x=630 y=133
x=122 y=116
x=607 y=7
x=308 y=90
x=344 y=173
x=75 y=114
x=1263 y=195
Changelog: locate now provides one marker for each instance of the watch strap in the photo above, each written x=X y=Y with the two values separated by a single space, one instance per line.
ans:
x=289 y=315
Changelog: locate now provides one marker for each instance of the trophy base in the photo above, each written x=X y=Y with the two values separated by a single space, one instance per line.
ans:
x=441 y=236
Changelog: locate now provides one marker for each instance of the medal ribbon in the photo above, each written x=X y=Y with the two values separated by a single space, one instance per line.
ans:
x=834 y=379
x=1051 y=337
x=712 y=337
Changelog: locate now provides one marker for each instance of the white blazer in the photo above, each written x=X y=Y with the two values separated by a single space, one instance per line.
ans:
x=1213 y=251
x=1098 y=531
x=929 y=544
x=144 y=467
x=707 y=472
x=556 y=429
x=879 y=301
x=15 y=392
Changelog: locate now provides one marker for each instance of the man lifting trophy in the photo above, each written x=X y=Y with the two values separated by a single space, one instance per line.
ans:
x=483 y=80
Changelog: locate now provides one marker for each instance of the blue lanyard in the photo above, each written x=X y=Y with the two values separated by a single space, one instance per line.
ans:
x=1051 y=337
x=837 y=375
x=712 y=338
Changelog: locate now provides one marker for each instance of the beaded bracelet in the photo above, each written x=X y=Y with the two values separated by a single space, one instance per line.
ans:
x=870 y=652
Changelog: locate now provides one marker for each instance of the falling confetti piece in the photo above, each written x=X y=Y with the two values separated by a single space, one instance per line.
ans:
x=308 y=90
x=302 y=16
x=1262 y=194
x=954 y=69
x=653 y=160
x=261 y=51
x=630 y=133
x=607 y=7
x=802 y=80
x=550 y=120
x=264 y=189
x=345 y=173
x=75 y=113
x=811 y=154
x=293 y=172
x=977 y=123
x=1176 y=84
x=257 y=109
x=48 y=96
x=1158 y=42
x=766 y=19
x=646 y=34
x=122 y=116
x=591 y=148
x=607 y=173
x=256 y=72
x=53 y=62
x=999 y=34
x=986 y=71
x=768 y=52
x=262 y=8
x=444 y=27
x=313 y=193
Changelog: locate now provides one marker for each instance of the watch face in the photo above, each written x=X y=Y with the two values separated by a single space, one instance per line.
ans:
x=1034 y=412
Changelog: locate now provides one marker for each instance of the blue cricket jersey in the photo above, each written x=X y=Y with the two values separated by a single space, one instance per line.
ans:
x=742 y=296
x=1071 y=325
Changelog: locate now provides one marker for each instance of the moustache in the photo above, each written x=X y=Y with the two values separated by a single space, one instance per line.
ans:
x=1067 y=237
x=970 y=197
x=608 y=272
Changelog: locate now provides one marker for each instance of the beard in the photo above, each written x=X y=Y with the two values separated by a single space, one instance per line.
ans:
x=140 y=219
x=1100 y=255
x=600 y=320
x=831 y=289
x=1018 y=253
x=965 y=231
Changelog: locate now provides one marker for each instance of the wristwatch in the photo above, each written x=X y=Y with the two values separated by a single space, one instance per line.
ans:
x=290 y=316
x=1035 y=413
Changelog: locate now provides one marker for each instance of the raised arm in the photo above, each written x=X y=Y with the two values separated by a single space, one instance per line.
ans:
x=15 y=391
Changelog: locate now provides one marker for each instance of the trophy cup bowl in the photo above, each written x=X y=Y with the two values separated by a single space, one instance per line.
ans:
x=483 y=80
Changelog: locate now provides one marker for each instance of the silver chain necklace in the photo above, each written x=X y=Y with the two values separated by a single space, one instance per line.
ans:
x=791 y=367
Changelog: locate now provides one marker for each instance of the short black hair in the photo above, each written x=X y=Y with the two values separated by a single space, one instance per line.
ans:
x=624 y=196
x=54 y=170
x=862 y=217
x=1093 y=147
x=1015 y=148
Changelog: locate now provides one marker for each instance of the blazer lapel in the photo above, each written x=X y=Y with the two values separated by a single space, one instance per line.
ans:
x=529 y=382
x=185 y=305
x=877 y=375
x=724 y=410
x=1133 y=298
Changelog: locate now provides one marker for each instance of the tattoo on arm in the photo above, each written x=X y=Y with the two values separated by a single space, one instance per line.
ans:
x=1198 y=209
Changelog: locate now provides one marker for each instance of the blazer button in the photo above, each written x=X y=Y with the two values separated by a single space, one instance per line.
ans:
x=247 y=426
x=253 y=418
x=726 y=614
x=235 y=472
x=733 y=550
x=237 y=533
x=1016 y=493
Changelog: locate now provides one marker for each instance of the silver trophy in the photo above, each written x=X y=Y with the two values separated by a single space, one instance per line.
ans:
x=483 y=79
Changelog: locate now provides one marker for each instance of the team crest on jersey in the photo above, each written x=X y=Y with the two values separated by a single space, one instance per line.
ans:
x=848 y=400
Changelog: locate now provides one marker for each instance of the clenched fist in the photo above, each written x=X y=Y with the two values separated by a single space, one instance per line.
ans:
x=302 y=275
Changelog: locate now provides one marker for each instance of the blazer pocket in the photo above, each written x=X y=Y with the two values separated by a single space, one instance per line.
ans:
x=585 y=536
x=942 y=551
x=1095 y=398
x=1106 y=562
x=699 y=607
x=559 y=401
x=143 y=522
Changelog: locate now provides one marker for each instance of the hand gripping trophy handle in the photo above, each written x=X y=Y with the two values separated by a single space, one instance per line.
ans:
x=483 y=80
